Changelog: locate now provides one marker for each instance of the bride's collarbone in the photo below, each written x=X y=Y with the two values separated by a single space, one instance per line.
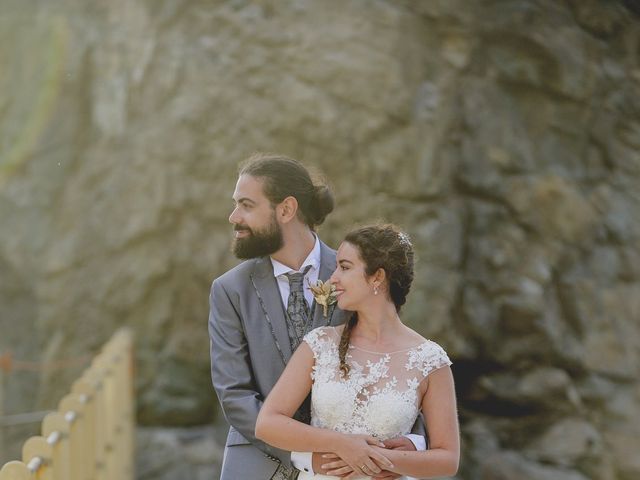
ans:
x=388 y=344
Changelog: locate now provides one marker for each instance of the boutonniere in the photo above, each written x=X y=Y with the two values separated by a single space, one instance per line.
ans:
x=325 y=294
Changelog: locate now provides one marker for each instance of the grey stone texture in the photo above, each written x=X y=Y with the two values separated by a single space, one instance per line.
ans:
x=504 y=136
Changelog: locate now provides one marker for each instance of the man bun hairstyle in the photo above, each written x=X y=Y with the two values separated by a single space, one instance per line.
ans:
x=380 y=246
x=285 y=177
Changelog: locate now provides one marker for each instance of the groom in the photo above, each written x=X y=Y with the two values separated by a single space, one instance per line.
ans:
x=261 y=309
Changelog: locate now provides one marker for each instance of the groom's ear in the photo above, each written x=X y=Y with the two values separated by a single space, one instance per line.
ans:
x=287 y=210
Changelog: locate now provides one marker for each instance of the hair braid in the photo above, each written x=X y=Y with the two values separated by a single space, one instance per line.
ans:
x=344 y=344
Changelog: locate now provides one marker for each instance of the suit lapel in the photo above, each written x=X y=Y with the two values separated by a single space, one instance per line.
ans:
x=327 y=267
x=270 y=300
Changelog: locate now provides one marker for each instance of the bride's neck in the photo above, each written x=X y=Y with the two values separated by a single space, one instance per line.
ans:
x=377 y=322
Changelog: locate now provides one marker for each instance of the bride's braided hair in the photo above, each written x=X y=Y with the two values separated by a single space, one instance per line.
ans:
x=386 y=247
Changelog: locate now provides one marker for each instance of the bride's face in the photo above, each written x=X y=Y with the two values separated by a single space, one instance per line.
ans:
x=350 y=279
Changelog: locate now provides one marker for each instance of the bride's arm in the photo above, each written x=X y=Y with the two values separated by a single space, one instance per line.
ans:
x=276 y=426
x=439 y=409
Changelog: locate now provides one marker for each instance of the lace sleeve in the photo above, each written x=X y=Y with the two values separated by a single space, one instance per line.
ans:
x=315 y=339
x=325 y=352
x=429 y=357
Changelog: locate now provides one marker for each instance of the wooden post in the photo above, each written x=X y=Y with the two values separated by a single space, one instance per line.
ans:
x=54 y=423
x=95 y=375
x=87 y=394
x=15 y=471
x=91 y=437
x=37 y=455
x=73 y=410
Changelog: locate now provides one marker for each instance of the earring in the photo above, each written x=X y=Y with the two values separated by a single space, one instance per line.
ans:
x=375 y=290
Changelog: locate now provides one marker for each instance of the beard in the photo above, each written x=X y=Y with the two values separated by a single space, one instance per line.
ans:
x=259 y=243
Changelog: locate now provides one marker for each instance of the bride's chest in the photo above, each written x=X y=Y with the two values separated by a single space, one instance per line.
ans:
x=379 y=396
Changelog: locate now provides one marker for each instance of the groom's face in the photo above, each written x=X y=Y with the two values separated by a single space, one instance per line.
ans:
x=256 y=230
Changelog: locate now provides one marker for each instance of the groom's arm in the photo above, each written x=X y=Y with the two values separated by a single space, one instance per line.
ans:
x=231 y=370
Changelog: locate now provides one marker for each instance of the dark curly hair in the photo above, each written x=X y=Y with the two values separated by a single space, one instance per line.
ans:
x=386 y=247
x=284 y=177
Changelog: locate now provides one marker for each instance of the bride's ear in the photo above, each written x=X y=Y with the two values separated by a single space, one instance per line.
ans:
x=378 y=278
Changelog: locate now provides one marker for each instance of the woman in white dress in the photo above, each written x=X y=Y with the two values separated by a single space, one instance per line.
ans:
x=370 y=378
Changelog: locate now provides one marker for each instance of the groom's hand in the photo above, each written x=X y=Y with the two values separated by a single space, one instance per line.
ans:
x=332 y=462
x=316 y=463
x=339 y=468
x=399 y=443
x=323 y=462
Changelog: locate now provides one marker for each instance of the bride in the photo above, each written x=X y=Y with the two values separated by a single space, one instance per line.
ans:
x=370 y=378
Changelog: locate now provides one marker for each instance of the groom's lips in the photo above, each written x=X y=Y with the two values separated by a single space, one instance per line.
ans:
x=241 y=232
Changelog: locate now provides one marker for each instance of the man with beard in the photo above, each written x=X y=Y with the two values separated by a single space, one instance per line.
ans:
x=261 y=309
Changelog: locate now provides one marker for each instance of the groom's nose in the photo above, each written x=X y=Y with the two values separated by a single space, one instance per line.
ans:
x=234 y=217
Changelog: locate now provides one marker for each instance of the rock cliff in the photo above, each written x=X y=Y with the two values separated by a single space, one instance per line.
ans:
x=504 y=136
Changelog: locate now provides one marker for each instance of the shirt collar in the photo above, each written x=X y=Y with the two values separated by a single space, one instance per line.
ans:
x=312 y=259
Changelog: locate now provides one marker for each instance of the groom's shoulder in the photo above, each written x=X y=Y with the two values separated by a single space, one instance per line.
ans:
x=326 y=249
x=238 y=274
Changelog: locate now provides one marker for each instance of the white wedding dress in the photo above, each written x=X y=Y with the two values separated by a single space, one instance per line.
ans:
x=380 y=395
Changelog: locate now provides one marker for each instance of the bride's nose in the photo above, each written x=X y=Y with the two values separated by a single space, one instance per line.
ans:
x=332 y=278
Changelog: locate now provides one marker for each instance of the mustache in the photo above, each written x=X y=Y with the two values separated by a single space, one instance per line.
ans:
x=239 y=228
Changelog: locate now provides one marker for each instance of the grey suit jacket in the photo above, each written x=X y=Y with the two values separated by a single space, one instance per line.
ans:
x=249 y=350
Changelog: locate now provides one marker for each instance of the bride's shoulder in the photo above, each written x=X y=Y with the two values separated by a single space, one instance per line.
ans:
x=420 y=342
x=428 y=356
x=425 y=354
x=321 y=334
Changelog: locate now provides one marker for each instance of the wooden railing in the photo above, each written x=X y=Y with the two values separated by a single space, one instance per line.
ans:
x=91 y=435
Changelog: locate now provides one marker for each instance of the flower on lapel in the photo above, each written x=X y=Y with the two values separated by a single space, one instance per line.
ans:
x=325 y=294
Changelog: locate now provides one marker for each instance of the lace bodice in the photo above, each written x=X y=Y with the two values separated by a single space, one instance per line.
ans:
x=380 y=395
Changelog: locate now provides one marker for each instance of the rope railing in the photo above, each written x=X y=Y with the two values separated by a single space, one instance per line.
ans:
x=91 y=434
x=9 y=364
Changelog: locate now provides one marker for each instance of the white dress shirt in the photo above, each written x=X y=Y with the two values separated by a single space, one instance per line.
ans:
x=280 y=272
x=300 y=460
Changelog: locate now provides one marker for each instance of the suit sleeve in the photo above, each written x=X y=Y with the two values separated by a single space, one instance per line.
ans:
x=419 y=430
x=232 y=373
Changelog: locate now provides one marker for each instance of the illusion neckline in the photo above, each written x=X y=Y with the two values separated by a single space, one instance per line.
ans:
x=388 y=353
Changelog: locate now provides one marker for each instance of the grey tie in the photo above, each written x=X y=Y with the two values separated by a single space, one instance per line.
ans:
x=297 y=308
x=285 y=473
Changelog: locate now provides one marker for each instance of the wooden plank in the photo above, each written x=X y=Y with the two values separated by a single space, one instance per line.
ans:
x=54 y=423
x=37 y=455
x=15 y=471
x=72 y=407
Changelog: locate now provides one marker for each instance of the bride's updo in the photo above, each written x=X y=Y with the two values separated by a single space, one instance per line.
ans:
x=386 y=247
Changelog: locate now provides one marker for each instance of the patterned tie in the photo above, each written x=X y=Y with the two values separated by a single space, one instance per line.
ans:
x=297 y=308
x=285 y=473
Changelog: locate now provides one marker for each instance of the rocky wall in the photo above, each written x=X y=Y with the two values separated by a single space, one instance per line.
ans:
x=504 y=136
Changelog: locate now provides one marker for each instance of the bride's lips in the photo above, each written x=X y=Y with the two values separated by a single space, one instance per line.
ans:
x=337 y=293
